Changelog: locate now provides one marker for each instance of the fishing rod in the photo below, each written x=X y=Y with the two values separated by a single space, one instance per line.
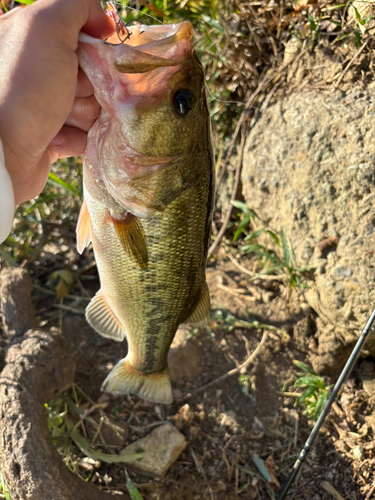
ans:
x=314 y=433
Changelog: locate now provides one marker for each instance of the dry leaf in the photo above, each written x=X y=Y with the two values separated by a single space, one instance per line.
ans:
x=271 y=466
x=304 y=3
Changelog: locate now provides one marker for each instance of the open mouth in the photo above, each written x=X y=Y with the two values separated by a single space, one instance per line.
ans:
x=142 y=48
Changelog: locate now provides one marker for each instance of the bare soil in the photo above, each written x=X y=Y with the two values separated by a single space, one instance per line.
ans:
x=227 y=425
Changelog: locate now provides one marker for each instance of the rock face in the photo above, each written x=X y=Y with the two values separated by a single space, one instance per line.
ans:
x=15 y=302
x=309 y=168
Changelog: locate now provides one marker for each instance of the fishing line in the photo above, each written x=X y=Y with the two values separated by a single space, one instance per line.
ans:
x=137 y=10
x=314 y=433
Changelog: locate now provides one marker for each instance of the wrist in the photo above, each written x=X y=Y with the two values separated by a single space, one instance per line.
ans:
x=7 y=204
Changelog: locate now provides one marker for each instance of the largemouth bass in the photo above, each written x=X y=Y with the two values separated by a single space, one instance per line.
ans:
x=148 y=188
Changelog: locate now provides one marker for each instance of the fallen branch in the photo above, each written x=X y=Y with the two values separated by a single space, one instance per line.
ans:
x=232 y=198
x=349 y=64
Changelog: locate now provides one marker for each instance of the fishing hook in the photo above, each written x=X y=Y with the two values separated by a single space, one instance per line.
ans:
x=122 y=32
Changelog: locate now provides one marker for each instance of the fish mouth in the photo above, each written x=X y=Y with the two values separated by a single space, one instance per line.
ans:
x=147 y=47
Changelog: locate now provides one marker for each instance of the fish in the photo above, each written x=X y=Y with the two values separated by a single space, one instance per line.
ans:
x=149 y=181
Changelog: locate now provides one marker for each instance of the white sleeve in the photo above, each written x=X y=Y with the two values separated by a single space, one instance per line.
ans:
x=6 y=198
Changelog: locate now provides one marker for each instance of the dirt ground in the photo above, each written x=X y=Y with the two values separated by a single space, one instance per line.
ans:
x=228 y=424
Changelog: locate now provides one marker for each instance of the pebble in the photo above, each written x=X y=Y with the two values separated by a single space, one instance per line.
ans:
x=358 y=452
x=369 y=387
x=167 y=439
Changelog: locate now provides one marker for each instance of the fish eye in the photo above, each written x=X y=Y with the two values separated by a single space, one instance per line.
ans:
x=184 y=102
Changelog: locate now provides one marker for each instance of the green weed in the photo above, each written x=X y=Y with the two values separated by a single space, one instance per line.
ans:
x=223 y=319
x=315 y=393
x=65 y=415
x=274 y=254
x=46 y=217
x=4 y=492
x=133 y=491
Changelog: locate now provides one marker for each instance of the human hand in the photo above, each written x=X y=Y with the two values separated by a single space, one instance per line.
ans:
x=46 y=102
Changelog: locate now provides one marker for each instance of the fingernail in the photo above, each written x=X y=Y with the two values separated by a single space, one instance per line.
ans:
x=58 y=140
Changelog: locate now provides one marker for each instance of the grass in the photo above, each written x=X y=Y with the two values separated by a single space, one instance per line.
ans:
x=315 y=392
x=4 y=492
x=274 y=255
x=68 y=416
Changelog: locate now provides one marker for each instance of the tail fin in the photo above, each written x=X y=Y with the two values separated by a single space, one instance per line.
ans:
x=124 y=379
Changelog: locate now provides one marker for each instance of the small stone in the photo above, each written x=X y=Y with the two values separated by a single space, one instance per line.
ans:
x=343 y=271
x=89 y=463
x=167 y=439
x=369 y=387
x=357 y=452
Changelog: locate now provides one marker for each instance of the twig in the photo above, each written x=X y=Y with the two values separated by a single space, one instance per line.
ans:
x=256 y=276
x=232 y=198
x=238 y=369
x=332 y=490
x=74 y=310
x=348 y=66
x=370 y=492
x=201 y=471
x=235 y=293
x=50 y=292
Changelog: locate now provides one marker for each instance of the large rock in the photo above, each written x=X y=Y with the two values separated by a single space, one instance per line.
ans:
x=309 y=168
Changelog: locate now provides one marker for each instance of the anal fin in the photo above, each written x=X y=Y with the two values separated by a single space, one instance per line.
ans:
x=124 y=379
x=201 y=312
x=84 y=228
x=102 y=319
x=130 y=234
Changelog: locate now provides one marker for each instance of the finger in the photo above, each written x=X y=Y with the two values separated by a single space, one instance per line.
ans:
x=65 y=18
x=84 y=86
x=69 y=141
x=10 y=13
x=30 y=183
x=85 y=108
x=84 y=125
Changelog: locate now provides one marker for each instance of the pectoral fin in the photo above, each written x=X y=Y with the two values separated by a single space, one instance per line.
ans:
x=201 y=312
x=84 y=228
x=103 y=320
x=130 y=234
